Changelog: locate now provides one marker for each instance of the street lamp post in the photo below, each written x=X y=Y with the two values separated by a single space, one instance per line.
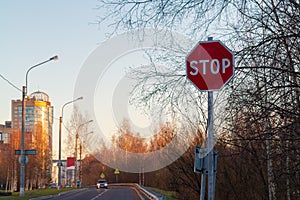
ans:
x=80 y=152
x=24 y=94
x=76 y=144
x=59 y=143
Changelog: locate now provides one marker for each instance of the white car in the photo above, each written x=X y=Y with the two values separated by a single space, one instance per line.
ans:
x=102 y=184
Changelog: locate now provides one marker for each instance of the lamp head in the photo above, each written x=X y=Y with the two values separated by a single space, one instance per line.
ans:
x=54 y=58
x=79 y=98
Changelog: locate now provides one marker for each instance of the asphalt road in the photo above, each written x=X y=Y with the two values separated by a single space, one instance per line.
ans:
x=112 y=193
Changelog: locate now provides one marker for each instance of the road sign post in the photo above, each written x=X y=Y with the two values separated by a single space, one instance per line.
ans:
x=117 y=172
x=210 y=66
x=211 y=189
x=201 y=166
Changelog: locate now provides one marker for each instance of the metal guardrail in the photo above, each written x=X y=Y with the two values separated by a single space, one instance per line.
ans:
x=150 y=194
x=143 y=193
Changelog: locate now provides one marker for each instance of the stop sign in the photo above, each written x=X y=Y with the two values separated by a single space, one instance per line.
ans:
x=210 y=65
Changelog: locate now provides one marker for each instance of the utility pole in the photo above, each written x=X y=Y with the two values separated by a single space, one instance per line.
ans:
x=23 y=157
x=76 y=145
x=59 y=142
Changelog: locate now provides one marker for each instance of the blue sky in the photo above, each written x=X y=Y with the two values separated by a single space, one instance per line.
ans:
x=33 y=31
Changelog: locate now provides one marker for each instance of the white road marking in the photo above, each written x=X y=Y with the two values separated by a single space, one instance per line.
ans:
x=99 y=195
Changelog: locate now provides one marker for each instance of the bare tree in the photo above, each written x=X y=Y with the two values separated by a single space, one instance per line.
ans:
x=72 y=128
x=263 y=101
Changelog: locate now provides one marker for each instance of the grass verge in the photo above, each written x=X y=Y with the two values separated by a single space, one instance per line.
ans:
x=35 y=193
x=170 y=195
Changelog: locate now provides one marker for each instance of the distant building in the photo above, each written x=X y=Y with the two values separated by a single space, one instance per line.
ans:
x=38 y=112
x=6 y=153
x=39 y=120
x=5 y=132
x=55 y=171
x=67 y=172
x=38 y=134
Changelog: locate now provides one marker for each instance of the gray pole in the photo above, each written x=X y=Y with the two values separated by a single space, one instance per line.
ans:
x=203 y=180
x=22 y=170
x=59 y=153
x=210 y=160
x=59 y=142
x=75 y=177
x=24 y=94
x=76 y=144
x=211 y=190
x=80 y=168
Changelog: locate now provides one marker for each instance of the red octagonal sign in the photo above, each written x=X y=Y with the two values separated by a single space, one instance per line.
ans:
x=210 y=65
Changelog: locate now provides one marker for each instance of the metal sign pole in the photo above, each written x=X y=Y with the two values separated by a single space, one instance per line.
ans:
x=210 y=160
x=211 y=190
x=203 y=181
x=212 y=53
